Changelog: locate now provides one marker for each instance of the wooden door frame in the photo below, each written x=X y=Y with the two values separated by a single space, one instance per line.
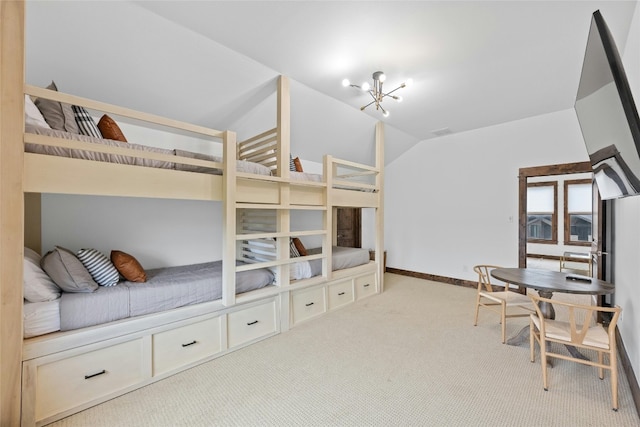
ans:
x=524 y=174
x=357 y=222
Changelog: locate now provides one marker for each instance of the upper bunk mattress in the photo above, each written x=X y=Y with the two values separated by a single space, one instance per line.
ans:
x=242 y=165
x=165 y=289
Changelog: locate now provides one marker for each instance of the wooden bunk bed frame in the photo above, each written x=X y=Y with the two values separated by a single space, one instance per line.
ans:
x=138 y=351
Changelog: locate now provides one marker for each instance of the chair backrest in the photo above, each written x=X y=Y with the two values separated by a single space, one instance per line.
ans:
x=580 y=317
x=484 y=277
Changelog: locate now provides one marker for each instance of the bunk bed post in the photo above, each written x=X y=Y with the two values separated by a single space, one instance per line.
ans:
x=328 y=214
x=284 y=215
x=284 y=126
x=380 y=209
x=229 y=219
x=11 y=207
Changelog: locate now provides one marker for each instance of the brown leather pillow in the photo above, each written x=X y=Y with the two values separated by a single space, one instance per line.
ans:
x=296 y=162
x=128 y=266
x=300 y=247
x=110 y=129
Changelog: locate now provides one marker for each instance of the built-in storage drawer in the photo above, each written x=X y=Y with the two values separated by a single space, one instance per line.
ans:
x=70 y=382
x=181 y=346
x=365 y=285
x=307 y=303
x=251 y=323
x=340 y=294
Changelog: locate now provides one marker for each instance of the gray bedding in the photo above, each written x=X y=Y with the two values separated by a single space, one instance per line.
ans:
x=242 y=166
x=341 y=258
x=165 y=289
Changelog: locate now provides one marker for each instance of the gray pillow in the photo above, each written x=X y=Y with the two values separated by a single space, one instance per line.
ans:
x=58 y=115
x=66 y=270
x=38 y=287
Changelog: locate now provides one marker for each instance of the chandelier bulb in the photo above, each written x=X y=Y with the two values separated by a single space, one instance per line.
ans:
x=376 y=92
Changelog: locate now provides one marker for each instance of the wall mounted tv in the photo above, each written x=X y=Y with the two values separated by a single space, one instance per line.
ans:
x=608 y=116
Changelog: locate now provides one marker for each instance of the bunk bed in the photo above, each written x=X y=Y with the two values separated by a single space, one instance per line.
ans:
x=122 y=350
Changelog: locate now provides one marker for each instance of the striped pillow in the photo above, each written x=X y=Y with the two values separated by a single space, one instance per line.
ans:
x=292 y=165
x=99 y=266
x=85 y=122
x=294 y=250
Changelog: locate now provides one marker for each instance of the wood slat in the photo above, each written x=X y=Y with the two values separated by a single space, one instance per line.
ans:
x=269 y=143
x=354 y=184
x=258 y=137
x=354 y=165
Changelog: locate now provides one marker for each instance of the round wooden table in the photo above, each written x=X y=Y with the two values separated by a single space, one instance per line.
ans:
x=546 y=282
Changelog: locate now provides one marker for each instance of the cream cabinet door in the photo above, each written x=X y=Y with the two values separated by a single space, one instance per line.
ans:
x=187 y=344
x=70 y=382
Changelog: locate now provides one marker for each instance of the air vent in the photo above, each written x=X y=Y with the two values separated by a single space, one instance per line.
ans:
x=442 y=132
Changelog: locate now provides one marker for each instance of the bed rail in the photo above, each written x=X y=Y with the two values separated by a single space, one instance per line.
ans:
x=51 y=141
x=262 y=148
x=120 y=111
x=346 y=175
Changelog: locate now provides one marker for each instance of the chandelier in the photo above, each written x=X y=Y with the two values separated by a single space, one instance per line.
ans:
x=376 y=92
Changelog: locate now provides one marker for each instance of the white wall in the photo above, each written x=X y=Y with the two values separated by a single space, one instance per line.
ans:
x=627 y=224
x=159 y=233
x=449 y=202
x=452 y=202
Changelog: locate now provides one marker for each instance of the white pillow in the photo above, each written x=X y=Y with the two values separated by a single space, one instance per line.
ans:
x=37 y=285
x=32 y=255
x=33 y=116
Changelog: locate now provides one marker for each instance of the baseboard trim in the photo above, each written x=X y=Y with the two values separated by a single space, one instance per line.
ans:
x=628 y=371
x=435 y=278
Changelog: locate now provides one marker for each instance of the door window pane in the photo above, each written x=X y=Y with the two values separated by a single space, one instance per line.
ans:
x=578 y=212
x=542 y=216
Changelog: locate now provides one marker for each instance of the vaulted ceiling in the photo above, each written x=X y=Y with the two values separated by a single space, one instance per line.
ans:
x=474 y=63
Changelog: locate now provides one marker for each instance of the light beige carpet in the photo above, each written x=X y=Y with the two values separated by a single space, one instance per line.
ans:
x=407 y=357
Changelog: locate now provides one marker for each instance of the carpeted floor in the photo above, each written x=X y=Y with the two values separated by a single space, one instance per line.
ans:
x=407 y=357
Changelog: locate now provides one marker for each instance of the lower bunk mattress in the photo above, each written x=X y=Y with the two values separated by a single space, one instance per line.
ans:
x=165 y=289
x=341 y=258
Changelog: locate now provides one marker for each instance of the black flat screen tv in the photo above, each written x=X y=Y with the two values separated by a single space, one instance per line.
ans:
x=608 y=116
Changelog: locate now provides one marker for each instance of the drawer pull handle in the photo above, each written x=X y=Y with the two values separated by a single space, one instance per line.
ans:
x=190 y=343
x=366 y=285
x=309 y=304
x=252 y=323
x=341 y=293
x=86 y=377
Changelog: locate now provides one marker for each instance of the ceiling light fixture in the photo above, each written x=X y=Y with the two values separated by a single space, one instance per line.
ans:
x=376 y=93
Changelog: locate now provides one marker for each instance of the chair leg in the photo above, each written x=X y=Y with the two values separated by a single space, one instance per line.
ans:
x=613 y=363
x=475 y=321
x=532 y=342
x=543 y=361
x=503 y=320
x=600 y=368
